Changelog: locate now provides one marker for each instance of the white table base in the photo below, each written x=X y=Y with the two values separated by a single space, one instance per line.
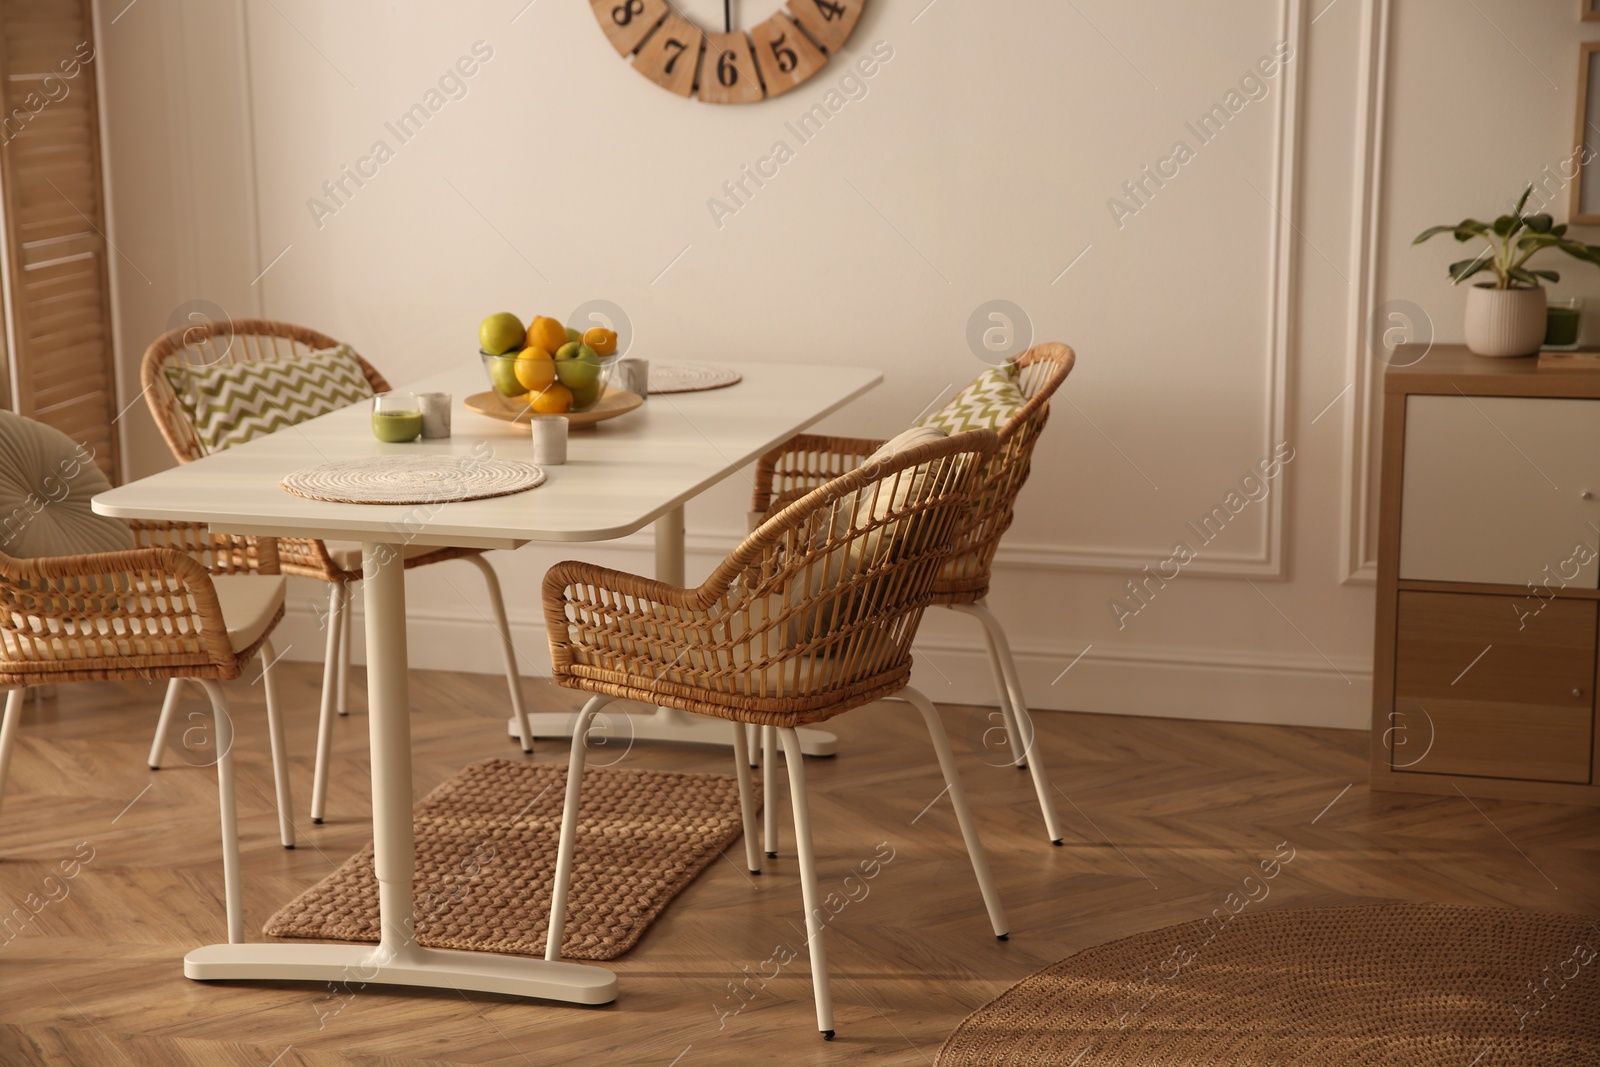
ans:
x=670 y=724
x=397 y=959
x=356 y=965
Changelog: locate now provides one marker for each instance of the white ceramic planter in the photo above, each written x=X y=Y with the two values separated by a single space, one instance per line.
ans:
x=1505 y=322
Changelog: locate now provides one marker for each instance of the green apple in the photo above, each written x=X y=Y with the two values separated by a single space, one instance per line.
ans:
x=577 y=365
x=501 y=332
x=574 y=335
x=503 y=376
x=585 y=396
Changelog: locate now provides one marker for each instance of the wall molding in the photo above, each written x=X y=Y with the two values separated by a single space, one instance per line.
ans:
x=1357 y=498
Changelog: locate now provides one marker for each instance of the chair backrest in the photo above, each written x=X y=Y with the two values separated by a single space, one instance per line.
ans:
x=213 y=342
x=964 y=578
x=816 y=610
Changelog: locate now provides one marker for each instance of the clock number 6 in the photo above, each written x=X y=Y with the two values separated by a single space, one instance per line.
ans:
x=786 y=57
x=830 y=10
x=728 y=70
x=624 y=12
x=673 y=43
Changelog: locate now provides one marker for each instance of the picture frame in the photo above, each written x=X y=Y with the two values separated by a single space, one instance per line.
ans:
x=1585 y=206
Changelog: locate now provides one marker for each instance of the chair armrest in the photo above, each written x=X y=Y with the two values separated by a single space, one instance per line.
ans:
x=799 y=465
x=218 y=553
x=114 y=612
x=591 y=610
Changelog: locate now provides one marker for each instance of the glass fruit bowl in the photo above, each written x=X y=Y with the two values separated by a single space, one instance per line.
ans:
x=574 y=382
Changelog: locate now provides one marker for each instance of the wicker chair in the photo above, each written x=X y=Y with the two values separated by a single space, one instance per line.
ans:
x=811 y=616
x=174 y=603
x=800 y=465
x=335 y=562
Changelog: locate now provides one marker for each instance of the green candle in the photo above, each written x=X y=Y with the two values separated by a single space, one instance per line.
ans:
x=396 y=427
x=1561 y=325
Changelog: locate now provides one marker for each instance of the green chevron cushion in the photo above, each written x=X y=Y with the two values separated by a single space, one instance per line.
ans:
x=230 y=403
x=987 y=403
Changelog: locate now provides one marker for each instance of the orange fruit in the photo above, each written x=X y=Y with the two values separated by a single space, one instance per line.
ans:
x=602 y=340
x=546 y=333
x=535 y=369
x=553 y=400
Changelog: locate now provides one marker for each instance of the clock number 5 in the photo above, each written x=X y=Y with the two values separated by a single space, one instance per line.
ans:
x=786 y=57
x=830 y=10
x=624 y=12
x=728 y=70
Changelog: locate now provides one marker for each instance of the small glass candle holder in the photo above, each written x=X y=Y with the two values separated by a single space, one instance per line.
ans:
x=1563 y=324
x=396 y=417
x=633 y=376
x=435 y=408
x=549 y=439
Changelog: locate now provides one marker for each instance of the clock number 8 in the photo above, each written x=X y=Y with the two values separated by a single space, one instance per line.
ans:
x=624 y=12
x=728 y=70
x=830 y=9
x=786 y=57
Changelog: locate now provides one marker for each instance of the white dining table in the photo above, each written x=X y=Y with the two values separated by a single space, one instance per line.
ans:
x=620 y=476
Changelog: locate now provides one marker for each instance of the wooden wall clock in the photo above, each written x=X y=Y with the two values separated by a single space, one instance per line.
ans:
x=731 y=67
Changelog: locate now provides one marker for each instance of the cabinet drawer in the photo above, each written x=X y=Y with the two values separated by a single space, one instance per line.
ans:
x=1495 y=491
x=1484 y=687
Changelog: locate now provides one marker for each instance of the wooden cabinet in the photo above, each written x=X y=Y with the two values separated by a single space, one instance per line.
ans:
x=1488 y=580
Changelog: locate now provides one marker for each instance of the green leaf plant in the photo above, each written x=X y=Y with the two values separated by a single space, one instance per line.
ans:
x=1513 y=239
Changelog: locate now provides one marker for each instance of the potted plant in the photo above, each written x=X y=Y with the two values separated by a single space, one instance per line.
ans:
x=1506 y=317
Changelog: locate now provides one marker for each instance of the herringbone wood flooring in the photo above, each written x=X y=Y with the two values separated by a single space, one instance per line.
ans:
x=1164 y=819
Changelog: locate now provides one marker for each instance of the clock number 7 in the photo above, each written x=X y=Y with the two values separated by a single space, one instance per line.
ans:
x=624 y=12
x=786 y=57
x=673 y=43
x=830 y=9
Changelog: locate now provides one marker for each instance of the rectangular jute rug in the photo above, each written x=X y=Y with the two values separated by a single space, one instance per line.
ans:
x=486 y=844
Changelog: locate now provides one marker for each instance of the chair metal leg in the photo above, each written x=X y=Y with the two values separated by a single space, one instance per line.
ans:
x=508 y=651
x=808 y=877
x=769 y=791
x=958 y=799
x=752 y=738
x=1021 y=722
x=8 y=733
x=230 y=813
x=569 y=826
x=280 y=748
x=747 y=799
x=1008 y=716
x=169 y=708
x=345 y=651
x=338 y=611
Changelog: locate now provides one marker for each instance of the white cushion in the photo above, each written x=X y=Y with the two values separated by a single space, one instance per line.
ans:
x=249 y=604
x=46 y=482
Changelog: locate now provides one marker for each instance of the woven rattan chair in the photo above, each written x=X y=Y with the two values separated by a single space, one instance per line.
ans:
x=336 y=562
x=800 y=465
x=811 y=616
x=175 y=603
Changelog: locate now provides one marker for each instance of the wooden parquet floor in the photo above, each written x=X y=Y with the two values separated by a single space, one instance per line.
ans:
x=1164 y=819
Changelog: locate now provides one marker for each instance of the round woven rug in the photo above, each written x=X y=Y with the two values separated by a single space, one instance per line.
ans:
x=690 y=377
x=1403 y=985
x=413 y=479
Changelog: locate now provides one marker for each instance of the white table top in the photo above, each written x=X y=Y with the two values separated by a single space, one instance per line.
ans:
x=619 y=476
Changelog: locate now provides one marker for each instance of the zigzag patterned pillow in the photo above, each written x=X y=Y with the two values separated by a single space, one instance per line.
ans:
x=231 y=403
x=988 y=402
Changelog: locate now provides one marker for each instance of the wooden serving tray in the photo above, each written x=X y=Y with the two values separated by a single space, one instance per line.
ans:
x=615 y=402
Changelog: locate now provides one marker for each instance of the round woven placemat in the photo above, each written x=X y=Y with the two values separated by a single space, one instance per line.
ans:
x=413 y=479
x=486 y=854
x=690 y=377
x=1402 y=985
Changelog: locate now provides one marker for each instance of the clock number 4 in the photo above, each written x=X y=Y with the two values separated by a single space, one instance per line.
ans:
x=676 y=47
x=625 y=12
x=830 y=9
x=786 y=57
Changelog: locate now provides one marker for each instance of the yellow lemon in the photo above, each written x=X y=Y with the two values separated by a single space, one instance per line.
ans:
x=602 y=340
x=535 y=369
x=555 y=399
x=546 y=333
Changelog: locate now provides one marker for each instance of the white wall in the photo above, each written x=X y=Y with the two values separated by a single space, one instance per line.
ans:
x=1219 y=322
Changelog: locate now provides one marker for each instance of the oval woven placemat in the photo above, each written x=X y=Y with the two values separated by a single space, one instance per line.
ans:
x=690 y=377
x=413 y=479
x=1402 y=985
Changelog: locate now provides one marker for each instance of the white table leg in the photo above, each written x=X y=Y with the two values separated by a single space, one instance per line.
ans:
x=670 y=724
x=398 y=959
